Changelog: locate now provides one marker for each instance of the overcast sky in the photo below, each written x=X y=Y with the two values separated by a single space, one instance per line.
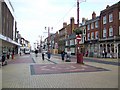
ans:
x=34 y=15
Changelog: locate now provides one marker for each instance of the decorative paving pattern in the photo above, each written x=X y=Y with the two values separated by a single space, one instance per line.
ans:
x=62 y=68
x=22 y=59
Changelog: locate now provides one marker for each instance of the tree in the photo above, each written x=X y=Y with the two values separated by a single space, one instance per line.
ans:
x=78 y=31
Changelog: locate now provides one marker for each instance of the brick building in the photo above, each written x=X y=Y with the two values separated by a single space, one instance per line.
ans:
x=92 y=35
x=110 y=30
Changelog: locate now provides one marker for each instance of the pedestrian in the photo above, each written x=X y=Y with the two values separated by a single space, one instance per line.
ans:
x=68 y=55
x=8 y=55
x=86 y=53
x=13 y=54
x=49 y=54
x=36 y=52
x=4 y=62
x=63 y=55
x=43 y=55
x=20 y=52
x=103 y=52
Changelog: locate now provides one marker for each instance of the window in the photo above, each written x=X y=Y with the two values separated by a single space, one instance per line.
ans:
x=110 y=31
x=92 y=25
x=96 y=35
x=104 y=20
x=88 y=27
x=84 y=31
x=71 y=42
x=119 y=15
x=88 y=36
x=110 y=17
x=96 y=24
x=92 y=35
x=104 y=33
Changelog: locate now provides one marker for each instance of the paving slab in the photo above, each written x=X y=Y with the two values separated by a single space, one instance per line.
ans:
x=18 y=75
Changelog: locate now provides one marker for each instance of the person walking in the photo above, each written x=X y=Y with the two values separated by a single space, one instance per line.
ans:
x=103 y=53
x=49 y=54
x=43 y=55
x=36 y=52
x=63 y=55
x=87 y=53
x=8 y=55
x=68 y=55
x=20 y=52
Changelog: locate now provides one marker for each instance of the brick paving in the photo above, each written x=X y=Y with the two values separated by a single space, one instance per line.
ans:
x=0 y=78
x=23 y=59
x=63 y=68
x=18 y=75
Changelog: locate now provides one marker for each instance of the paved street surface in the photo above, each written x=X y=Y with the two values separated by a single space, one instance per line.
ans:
x=28 y=71
x=0 y=78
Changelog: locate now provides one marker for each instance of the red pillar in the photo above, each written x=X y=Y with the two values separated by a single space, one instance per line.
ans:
x=79 y=54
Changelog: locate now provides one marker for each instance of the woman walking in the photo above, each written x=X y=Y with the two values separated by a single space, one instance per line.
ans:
x=63 y=55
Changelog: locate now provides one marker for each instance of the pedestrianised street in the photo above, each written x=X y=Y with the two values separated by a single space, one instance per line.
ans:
x=29 y=71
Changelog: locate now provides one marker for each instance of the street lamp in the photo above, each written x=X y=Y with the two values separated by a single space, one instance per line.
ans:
x=40 y=45
x=78 y=33
x=48 y=28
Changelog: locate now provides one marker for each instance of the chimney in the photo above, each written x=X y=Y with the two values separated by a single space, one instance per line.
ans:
x=93 y=15
x=83 y=20
x=72 y=22
x=107 y=6
x=64 y=24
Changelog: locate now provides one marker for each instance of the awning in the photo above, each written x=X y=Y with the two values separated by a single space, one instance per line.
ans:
x=9 y=40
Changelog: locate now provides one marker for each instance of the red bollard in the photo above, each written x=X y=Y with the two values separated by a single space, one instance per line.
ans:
x=80 y=58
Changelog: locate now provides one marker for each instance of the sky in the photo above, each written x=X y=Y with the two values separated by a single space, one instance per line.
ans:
x=33 y=16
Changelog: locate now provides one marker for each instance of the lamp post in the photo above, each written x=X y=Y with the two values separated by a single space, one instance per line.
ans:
x=78 y=36
x=78 y=33
x=40 y=45
x=48 y=28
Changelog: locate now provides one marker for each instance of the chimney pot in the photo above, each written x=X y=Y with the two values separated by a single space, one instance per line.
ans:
x=93 y=15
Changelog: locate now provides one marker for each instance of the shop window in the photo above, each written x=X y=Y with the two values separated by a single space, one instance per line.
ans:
x=112 y=47
x=100 y=45
x=108 y=48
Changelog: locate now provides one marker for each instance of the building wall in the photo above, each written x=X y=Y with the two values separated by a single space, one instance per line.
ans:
x=0 y=28
x=8 y=21
x=110 y=43
x=0 y=17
